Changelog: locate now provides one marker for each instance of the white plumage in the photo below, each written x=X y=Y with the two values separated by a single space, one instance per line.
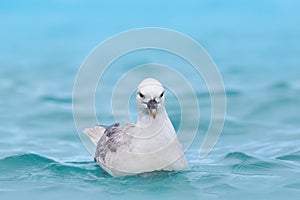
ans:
x=149 y=145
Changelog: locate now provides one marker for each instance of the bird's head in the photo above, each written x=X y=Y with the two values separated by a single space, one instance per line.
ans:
x=150 y=97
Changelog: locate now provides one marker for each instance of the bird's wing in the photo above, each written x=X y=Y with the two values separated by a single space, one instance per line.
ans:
x=114 y=137
x=95 y=133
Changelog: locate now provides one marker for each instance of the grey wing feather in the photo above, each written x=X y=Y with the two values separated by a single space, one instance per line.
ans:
x=113 y=138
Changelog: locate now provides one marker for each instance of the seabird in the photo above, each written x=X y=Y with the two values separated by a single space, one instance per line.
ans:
x=149 y=145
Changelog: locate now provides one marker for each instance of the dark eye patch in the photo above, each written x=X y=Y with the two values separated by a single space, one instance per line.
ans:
x=162 y=94
x=141 y=95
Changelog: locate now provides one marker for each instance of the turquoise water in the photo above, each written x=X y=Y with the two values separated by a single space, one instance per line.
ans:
x=255 y=46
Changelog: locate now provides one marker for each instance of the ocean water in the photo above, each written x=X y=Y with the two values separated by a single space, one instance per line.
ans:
x=255 y=45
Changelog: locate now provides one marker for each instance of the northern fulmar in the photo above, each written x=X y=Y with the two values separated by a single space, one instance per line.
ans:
x=149 y=145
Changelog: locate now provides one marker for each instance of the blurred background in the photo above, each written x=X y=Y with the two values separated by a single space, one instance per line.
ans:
x=255 y=44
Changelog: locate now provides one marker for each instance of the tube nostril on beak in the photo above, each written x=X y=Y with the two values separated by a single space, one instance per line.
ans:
x=152 y=104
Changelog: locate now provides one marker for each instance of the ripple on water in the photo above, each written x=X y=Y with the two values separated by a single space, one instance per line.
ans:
x=56 y=99
x=293 y=158
x=33 y=166
x=241 y=163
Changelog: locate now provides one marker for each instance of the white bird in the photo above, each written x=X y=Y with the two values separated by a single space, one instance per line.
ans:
x=149 y=145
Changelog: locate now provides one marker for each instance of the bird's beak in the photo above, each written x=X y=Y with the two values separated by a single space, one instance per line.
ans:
x=153 y=113
x=152 y=105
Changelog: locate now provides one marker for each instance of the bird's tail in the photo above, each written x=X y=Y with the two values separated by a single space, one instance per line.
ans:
x=95 y=133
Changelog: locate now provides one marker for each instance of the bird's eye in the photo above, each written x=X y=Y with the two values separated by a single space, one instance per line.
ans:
x=141 y=95
x=162 y=94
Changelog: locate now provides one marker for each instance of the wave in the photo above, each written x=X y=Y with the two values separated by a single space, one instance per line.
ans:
x=56 y=99
x=24 y=160
x=280 y=85
x=293 y=157
x=241 y=163
x=228 y=92
x=30 y=165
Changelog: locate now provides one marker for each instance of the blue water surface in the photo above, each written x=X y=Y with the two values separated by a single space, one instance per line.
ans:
x=255 y=45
